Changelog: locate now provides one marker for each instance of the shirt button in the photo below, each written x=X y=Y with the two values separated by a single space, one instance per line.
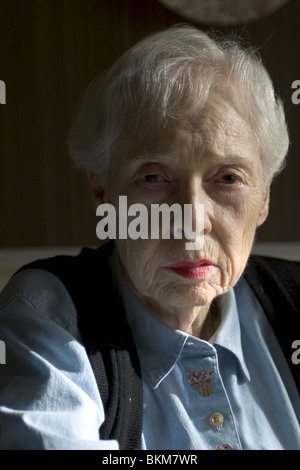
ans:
x=216 y=419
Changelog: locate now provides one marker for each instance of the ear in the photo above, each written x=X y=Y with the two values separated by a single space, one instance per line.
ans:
x=97 y=190
x=264 y=211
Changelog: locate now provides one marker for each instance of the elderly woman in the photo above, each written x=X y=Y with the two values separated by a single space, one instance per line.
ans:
x=142 y=343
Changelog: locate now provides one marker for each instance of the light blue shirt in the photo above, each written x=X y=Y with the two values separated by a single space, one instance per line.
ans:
x=243 y=395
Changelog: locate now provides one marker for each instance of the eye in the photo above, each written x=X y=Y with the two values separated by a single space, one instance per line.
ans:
x=229 y=179
x=153 y=178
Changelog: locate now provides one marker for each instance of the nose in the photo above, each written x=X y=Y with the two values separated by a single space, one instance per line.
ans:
x=196 y=215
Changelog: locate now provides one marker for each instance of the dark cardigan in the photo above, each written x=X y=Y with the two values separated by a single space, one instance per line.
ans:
x=109 y=342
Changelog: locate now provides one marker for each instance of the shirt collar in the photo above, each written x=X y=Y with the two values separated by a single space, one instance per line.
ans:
x=160 y=346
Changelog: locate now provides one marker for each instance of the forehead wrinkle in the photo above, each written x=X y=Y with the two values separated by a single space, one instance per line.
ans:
x=228 y=146
x=219 y=133
x=194 y=148
x=222 y=125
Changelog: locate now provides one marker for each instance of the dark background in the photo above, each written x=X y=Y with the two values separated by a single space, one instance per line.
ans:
x=49 y=51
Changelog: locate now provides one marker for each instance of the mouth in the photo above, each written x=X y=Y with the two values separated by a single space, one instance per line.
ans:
x=193 y=270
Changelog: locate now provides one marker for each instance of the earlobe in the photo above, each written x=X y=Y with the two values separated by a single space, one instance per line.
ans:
x=96 y=187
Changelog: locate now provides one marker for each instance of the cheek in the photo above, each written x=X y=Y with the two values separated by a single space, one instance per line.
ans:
x=234 y=231
x=141 y=261
x=238 y=221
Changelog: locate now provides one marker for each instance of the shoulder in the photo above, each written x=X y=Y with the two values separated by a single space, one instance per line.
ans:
x=268 y=261
x=273 y=269
x=44 y=293
x=56 y=287
x=276 y=283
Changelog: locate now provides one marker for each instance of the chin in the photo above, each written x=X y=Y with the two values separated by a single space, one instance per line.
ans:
x=184 y=296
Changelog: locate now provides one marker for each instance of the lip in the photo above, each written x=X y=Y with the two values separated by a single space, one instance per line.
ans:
x=193 y=270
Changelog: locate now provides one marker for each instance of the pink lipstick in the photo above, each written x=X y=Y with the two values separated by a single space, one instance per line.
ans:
x=193 y=270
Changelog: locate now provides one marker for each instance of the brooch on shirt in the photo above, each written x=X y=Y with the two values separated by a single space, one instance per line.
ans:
x=201 y=381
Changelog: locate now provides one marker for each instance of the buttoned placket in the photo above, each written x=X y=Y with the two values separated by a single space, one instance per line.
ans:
x=215 y=407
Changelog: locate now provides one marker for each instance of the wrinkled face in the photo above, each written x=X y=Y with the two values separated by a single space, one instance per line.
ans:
x=213 y=161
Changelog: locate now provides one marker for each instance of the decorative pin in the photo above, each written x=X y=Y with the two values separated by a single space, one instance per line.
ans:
x=201 y=381
x=223 y=447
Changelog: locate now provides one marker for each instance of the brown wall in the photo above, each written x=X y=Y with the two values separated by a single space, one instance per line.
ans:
x=49 y=51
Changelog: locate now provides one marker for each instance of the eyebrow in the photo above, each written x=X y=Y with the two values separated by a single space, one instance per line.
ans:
x=229 y=159
x=152 y=157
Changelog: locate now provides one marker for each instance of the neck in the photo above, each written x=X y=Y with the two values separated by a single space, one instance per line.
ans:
x=201 y=322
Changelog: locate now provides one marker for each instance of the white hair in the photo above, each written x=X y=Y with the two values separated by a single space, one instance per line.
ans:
x=166 y=76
